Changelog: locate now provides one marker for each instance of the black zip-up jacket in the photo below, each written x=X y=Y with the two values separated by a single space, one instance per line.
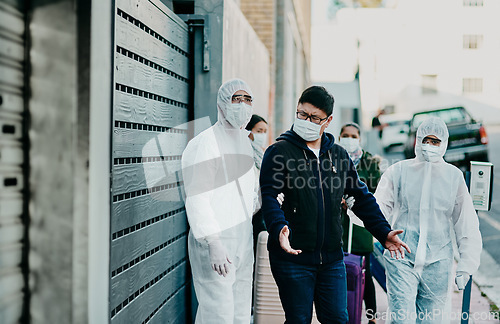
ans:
x=313 y=193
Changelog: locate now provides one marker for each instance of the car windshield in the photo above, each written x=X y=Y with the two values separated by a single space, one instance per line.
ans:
x=449 y=116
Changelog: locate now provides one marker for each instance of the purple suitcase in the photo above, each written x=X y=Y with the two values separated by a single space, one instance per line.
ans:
x=355 y=268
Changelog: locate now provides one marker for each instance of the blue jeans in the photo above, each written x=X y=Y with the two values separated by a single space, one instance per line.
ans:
x=299 y=285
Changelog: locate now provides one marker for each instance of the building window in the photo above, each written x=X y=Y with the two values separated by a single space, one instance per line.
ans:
x=473 y=3
x=473 y=41
x=472 y=85
x=429 y=84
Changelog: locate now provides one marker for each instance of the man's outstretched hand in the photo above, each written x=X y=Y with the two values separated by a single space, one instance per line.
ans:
x=395 y=246
x=285 y=242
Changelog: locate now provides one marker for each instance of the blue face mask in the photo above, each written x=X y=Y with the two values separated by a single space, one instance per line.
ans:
x=307 y=130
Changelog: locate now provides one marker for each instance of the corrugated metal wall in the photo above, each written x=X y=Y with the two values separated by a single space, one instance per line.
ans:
x=12 y=229
x=148 y=262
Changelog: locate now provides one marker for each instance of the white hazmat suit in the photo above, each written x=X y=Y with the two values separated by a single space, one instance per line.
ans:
x=219 y=180
x=429 y=200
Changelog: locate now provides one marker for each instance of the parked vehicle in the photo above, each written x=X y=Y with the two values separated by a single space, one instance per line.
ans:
x=395 y=132
x=468 y=140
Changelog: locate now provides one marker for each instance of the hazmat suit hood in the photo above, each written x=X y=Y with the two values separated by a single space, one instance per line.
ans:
x=224 y=101
x=432 y=126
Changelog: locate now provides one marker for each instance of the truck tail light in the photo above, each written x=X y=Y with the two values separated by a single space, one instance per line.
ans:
x=484 y=136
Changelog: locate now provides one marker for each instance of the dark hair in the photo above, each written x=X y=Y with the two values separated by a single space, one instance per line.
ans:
x=351 y=125
x=254 y=121
x=319 y=97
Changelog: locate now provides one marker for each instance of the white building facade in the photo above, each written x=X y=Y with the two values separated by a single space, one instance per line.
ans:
x=417 y=55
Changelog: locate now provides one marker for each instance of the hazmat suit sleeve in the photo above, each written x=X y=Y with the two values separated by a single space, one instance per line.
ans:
x=384 y=194
x=257 y=199
x=199 y=175
x=466 y=225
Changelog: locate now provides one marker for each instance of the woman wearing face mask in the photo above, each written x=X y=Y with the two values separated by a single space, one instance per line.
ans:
x=258 y=136
x=368 y=170
x=428 y=198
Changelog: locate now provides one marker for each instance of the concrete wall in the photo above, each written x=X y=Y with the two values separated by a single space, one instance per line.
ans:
x=99 y=156
x=81 y=164
x=284 y=26
x=303 y=17
x=53 y=108
x=292 y=65
x=64 y=208
x=245 y=57
x=261 y=14
x=207 y=83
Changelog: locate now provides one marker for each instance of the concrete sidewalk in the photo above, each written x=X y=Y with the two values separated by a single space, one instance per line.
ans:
x=479 y=309
x=488 y=276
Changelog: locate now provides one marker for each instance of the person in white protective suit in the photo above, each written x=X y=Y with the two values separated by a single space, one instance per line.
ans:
x=428 y=198
x=220 y=186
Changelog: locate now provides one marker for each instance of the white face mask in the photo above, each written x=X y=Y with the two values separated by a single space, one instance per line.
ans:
x=350 y=144
x=431 y=153
x=260 y=139
x=238 y=114
x=307 y=130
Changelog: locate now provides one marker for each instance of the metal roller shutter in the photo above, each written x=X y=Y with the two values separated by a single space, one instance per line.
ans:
x=12 y=226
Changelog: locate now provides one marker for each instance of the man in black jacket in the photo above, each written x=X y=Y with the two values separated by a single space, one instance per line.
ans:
x=305 y=244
